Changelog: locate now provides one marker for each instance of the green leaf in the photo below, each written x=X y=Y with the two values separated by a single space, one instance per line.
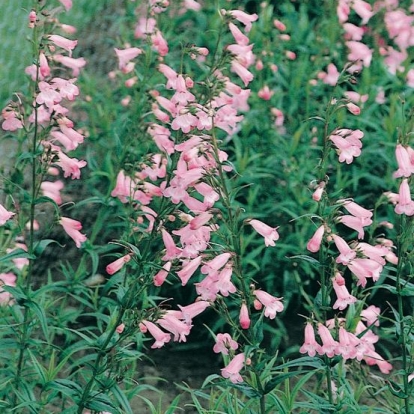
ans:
x=121 y=399
x=306 y=258
x=16 y=254
x=41 y=246
x=66 y=387
x=102 y=402
x=40 y=313
x=313 y=362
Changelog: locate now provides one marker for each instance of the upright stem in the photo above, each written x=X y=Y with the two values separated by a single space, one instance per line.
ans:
x=405 y=229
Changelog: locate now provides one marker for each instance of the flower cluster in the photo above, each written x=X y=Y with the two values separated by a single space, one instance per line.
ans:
x=188 y=174
x=357 y=345
x=49 y=111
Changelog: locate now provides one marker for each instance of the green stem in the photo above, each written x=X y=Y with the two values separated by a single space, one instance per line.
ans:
x=401 y=249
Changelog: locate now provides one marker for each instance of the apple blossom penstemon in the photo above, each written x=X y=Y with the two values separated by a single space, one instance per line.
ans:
x=187 y=204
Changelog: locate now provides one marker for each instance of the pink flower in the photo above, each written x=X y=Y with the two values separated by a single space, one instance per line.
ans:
x=172 y=251
x=244 y=18
x=125 y=55
x=314 y=243
x=160 y=336
x=331 y=76
x=44 y=68
x=272 y=304
x=118 y=264
x=359 y=52
x=329 y=345
x=242 y=72
x=70 y=166
x=355 y=223
x=120 y=328
x=5 y=215
x=232 y=370
x=405 y=205
x=270 y=234
x=159 y=43
x=344 y=298
x=6 y=279
x=71 y=63
x=371 y=315
x=405 y=164
x=346 y=253
x=11 y=122
x=67 y=4
x=224 y=342
x=172 y=324
x=363 y=268
x=239 y=37
x=190 y=311
x=52 y=190
x=373 y=358
x=244 y=318
x=265 y=93
x=63 y=43
x=72 y=228
x=310 y=346
x=348 y=344
x=348 y=144
x=354 y=109
x=160 y=277
x=356 y=210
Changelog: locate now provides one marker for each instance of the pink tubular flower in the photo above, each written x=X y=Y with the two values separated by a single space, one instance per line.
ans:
x=160 y=277
x=52 y=190
x=329 y=345
x=224 y=342
x=11 y=122
x=190 y=311
x=5 y=215
x=44 y=68
x=125 y=55
x=310 y=346
x=373 y=358
x=346 y=253
x=371 y=315
x=67 y=4
x=405 y=204
x=63 y=43
x=71 y=63
x=72 y=228
x=244 y=318
x=331 y=76
x=348 y=344
x=365 y=268
x=405 y=164
x=160 y=336
x=344 y=298
x=70 y=166
x=159 y=43
x=172 y=324
x=270 y=234
x=117 y=264
x=232 y=370
x=314 y=243
x=354 y=109
x=6 y=279
x=272 y=304
x=244 y=18
x=359 y=52
x=188 y=269
x=172 y=251
x=265 y=93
